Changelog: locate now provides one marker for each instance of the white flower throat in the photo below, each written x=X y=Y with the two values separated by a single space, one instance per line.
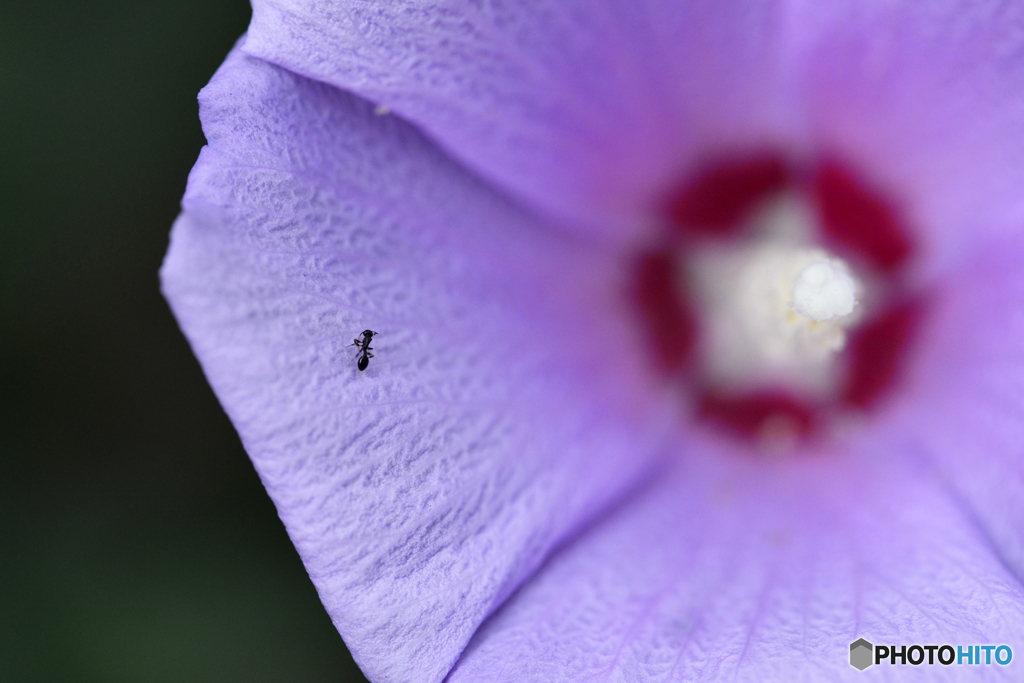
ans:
x=774 y=307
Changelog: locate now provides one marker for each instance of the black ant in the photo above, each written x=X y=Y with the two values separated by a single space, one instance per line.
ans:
x=363 y=354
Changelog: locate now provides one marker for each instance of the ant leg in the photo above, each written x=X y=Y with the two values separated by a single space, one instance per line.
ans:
x=355 y=342
x=369 y=355
x=359 y=353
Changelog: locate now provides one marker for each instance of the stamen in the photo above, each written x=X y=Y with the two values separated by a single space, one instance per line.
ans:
x=824 y=291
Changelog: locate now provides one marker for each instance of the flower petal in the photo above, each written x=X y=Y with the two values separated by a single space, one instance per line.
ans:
x=748 y=570
x=925 y=99
x=964 y=410
x=594 y=110
x=422 y=491
x=590 y=110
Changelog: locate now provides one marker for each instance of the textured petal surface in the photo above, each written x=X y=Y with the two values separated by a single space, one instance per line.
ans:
x=928 y=100
x=595 y=109
x=966 y=411
x=502 y=411
x=589 y=109
x=740 y=570
x=733 y=569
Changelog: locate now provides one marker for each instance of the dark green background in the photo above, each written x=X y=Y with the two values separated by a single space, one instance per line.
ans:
x=136 y=542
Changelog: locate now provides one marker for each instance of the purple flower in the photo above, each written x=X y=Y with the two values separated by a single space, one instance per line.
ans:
x=516 y=488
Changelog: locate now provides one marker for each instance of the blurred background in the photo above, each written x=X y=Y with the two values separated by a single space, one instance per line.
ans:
x=136 y=542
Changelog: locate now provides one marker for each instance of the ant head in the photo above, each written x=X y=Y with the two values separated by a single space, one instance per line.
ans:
x=368 y=333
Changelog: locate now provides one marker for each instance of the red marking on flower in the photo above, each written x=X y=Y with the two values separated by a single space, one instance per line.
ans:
x=877 y=351
x=669 y=320
x=715 y=202
x=768 y=414
x=859 y=220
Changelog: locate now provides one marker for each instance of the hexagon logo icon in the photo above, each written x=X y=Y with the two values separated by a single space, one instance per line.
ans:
x=861 y=654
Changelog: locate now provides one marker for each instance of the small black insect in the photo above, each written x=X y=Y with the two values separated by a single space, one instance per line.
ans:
x=363 y=354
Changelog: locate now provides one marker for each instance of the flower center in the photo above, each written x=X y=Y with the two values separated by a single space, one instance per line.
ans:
x=777 y=301
x=774 y=306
